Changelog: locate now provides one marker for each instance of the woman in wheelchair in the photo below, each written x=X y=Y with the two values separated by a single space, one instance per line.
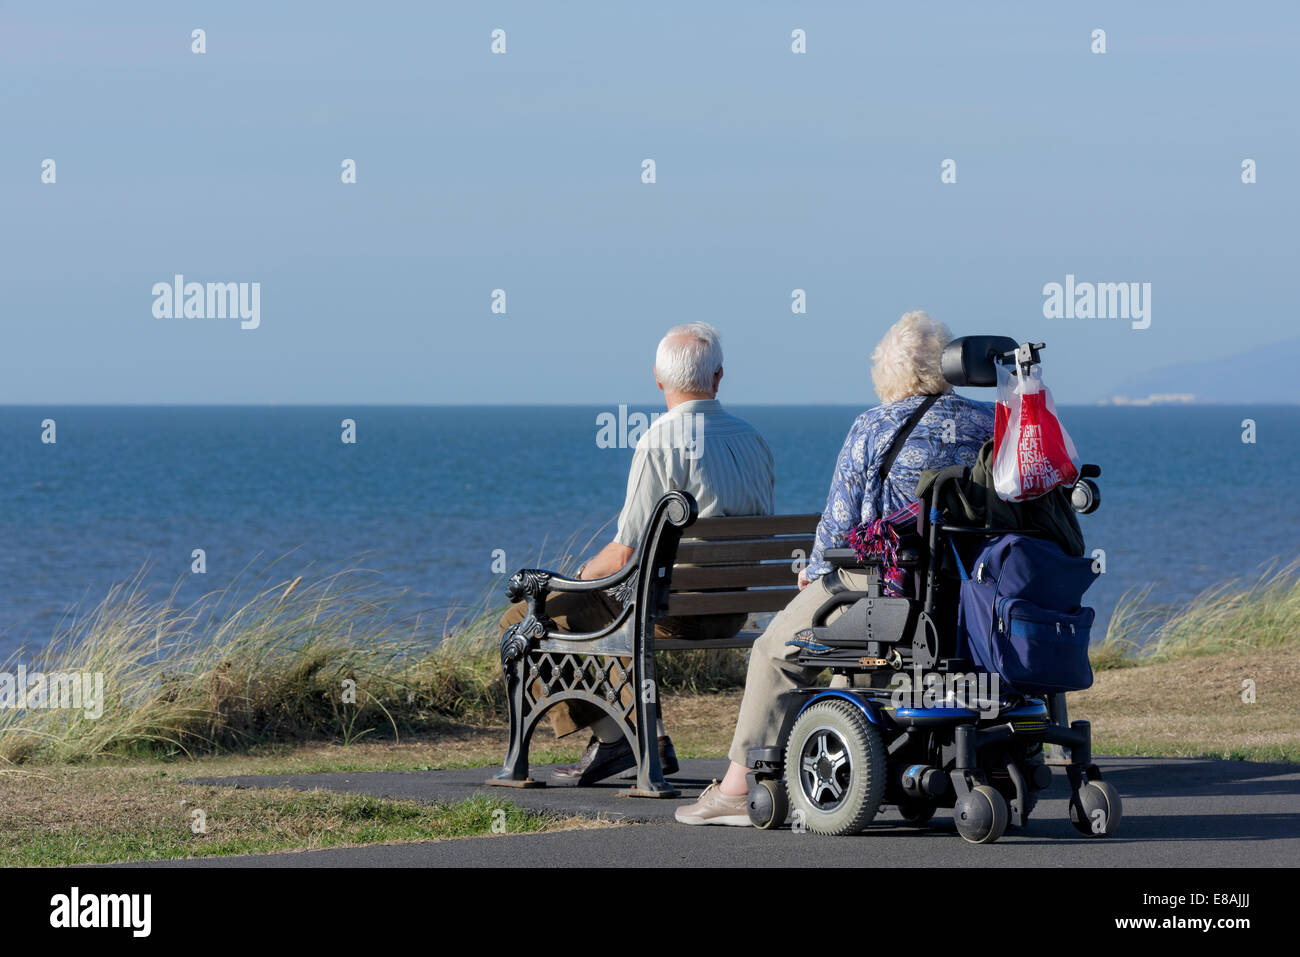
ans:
x=957 y=618
x=921 y=424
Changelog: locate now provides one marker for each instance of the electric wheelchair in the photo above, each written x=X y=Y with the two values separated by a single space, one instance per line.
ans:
x=949 y=735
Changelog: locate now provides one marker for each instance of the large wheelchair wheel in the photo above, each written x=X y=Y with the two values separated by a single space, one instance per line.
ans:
x=834 y=769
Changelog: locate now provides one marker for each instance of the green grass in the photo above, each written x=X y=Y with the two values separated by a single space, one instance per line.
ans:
x=1154 y=748
x=256 y=821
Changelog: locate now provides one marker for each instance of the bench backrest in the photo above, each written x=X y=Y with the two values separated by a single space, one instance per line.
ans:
x=744 y=564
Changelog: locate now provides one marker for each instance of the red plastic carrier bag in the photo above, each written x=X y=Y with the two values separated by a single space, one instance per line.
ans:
x=1032 y=452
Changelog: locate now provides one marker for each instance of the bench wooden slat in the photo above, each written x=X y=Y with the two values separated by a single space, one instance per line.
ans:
x=731 y=552
x=697 y=577
x=744 y=639
x=727 y=602
x=752 y=526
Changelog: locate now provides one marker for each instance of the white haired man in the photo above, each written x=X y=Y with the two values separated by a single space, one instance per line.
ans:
x=947 y=429
x=697 y=447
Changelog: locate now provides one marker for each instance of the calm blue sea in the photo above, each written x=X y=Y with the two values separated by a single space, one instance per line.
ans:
x=427 y=494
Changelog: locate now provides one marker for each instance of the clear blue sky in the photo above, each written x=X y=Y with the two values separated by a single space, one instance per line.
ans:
x=522 y=171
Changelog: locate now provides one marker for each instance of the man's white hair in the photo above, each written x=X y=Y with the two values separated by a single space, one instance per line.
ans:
x=906 y=360
x=689 y=357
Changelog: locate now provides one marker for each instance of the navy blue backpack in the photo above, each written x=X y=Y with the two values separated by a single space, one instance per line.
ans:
x=1020 y=616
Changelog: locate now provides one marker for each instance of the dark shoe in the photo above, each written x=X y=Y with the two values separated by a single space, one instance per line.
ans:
x=598 y=762
x=667 y=759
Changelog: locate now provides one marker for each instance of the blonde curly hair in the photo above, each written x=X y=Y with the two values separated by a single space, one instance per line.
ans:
x=906 y=360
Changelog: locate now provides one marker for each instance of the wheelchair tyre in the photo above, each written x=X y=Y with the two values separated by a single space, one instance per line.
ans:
x=1096 y=809
x=916 y=813
x=981 y=815
x=768 y=804
x=834 y=768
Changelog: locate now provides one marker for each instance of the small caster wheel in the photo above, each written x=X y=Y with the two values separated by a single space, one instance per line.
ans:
x=768 y=804
x=1095 y=809
x=981 y=816
x=916 y=813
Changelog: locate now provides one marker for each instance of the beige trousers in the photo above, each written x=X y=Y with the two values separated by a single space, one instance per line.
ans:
x=772 y=667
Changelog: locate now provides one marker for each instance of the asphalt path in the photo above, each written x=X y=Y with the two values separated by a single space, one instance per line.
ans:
x=1177 y=813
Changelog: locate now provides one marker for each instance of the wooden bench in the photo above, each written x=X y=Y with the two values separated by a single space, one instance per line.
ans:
x=684 y=566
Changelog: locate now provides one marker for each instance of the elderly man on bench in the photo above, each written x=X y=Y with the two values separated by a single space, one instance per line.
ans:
x=696 y=447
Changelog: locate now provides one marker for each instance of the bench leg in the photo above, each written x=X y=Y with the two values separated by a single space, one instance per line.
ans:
x=514 y=663
x=650 y=781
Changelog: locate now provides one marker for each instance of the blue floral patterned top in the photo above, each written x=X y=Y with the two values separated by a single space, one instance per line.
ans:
x=950 y=433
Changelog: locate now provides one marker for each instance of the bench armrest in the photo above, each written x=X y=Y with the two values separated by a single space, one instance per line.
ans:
x=533 y=585
x=674 y=511
x=530 y=584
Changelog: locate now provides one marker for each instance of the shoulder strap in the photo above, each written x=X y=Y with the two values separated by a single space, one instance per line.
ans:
x=900 y=437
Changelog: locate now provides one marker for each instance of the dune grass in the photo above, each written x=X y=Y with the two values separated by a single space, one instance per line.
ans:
x=329 y=655
x=270 y=658
x=1232 y=617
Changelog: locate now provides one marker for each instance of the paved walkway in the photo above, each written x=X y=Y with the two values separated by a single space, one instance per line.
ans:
x=1176 y=813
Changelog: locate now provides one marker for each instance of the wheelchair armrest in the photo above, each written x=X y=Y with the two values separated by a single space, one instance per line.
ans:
x=848 y=558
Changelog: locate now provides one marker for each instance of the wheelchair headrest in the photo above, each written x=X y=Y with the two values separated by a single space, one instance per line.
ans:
x=970 y=360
